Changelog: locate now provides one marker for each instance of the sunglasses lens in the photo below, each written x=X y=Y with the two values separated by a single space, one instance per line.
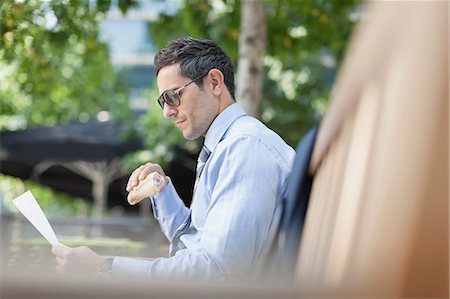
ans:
x=169 y=97
x=161 y=101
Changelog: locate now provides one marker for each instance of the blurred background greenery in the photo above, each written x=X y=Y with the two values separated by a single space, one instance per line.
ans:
x=57 y=66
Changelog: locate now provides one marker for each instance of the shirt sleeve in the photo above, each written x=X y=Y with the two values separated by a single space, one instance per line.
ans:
x=169 y=210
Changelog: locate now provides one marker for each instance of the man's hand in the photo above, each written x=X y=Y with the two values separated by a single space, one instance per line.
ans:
x=79 y=259
x=141 y=173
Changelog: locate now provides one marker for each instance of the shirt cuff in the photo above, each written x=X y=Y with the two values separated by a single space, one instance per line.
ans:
x=136 y=268
x=166 y=203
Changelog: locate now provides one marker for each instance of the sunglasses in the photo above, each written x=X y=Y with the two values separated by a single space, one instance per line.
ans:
x=172 y=97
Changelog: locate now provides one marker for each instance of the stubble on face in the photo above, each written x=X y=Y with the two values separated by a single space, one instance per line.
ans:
x=199 y=117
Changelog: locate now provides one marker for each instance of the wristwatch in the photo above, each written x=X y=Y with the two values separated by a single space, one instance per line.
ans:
x=106 y=268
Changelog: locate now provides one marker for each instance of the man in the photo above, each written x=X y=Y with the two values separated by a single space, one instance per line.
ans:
x=241 y=176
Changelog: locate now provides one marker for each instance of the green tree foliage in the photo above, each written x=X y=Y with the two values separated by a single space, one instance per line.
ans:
x=54 y=68
x=306 y=42
x=65 y=205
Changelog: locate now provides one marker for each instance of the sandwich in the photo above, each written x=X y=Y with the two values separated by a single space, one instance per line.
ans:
x=148 y=187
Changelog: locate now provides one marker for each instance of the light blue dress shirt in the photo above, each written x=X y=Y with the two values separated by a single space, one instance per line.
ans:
x=242 y=183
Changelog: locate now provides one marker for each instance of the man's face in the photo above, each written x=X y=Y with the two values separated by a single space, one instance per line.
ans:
x=197 y=109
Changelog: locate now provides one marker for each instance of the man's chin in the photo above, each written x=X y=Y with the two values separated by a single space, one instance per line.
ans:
x=190 y=138
x=189 y=135
x=186 y=135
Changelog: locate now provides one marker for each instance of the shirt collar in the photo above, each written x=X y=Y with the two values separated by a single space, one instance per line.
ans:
x=221 y=125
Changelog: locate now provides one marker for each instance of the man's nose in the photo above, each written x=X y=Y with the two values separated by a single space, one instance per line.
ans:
x=169 y=111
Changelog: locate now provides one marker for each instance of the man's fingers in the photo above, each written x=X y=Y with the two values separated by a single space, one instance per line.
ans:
x=133 y=180
x=149 y=168
x=61 y=262
x=59 y=250
x=75 y=259
x=141 y=173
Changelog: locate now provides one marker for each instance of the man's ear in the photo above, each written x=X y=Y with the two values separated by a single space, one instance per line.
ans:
x=216 y=81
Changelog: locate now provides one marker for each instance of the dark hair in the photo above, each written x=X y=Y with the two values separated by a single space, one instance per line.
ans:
x=196 y=57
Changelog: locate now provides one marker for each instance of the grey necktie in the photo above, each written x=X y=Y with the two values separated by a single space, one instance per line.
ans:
x=201 y=161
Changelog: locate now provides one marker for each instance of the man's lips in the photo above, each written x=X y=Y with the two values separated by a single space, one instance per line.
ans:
x=179 y=122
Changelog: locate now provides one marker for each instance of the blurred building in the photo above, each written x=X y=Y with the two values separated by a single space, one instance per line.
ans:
x=132 y=48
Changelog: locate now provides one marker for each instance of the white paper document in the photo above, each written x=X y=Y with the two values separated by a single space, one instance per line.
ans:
x=29 y=207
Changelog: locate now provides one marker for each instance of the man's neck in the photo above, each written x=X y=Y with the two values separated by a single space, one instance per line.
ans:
x=225 y=102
